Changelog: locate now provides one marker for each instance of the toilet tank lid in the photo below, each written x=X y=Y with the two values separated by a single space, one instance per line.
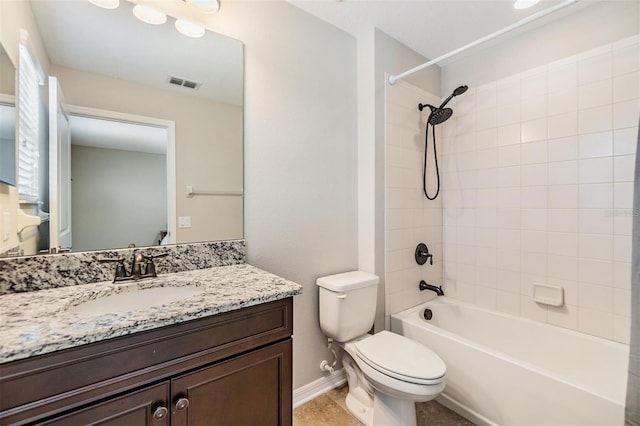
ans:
x=348 y=281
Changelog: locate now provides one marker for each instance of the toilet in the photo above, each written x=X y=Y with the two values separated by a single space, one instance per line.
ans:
x=387 y=373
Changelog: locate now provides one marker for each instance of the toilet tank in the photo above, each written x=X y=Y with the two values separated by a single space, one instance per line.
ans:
x=347 y=304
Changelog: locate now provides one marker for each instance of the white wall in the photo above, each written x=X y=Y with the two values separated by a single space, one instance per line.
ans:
x=300 y=155
x=539 y=189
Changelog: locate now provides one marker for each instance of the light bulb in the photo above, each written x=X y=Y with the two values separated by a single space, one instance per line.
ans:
x=524 y=4
x=189 y=29
x=106 y=4
x=149 y=15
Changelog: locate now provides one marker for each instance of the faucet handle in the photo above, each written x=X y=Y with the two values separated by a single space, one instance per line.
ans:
x=149 y=266
x=121 y=273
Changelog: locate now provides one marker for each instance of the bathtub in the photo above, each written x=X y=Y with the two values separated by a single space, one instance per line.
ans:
x=507 y=370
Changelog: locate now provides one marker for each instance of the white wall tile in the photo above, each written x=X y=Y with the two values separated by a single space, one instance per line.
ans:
x=534 y=107
x=593 y=120
x=595 y=221
x=534 y=219
x=563 y=267
x=595 y=144
x=595 y=170
x=625 y=114
x=595 y=94
x=595 y=297
x=626 y=59
x=563 y=125
x=623 y=195
x=534 y=130
x=597 y=323
x=509 y=176
x=621 y=329
x=534 y=197
x=595 y=67
x=508 y=114
x=540 y=186
x=563 y=196
x=563 y=149
x=622 y=248
x=622 y=275
x=624 y=168
x=509 y=134
x=565 y=244
x=626 y=87
x=487 y=138
x=625 y=141
x=563 y=220
x=595 y=246
x=563 y=173
x=562 y=74
x=534 y=152
x=596 y=196
x=563 y=101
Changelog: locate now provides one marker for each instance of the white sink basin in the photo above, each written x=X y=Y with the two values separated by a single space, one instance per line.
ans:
x=135 y=300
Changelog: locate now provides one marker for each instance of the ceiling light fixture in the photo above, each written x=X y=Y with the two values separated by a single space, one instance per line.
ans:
x=149 y=15
x=106 y=4
x=189 y=29
x=524 y=4
x=206 y=6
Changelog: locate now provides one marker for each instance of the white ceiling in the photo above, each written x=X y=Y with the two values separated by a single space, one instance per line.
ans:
x=430 y=27
x=108 y=134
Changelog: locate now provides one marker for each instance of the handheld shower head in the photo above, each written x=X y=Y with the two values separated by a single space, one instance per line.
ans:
x=458 y=91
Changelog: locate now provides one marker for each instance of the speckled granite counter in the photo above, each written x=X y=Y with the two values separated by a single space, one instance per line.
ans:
x=39 y=322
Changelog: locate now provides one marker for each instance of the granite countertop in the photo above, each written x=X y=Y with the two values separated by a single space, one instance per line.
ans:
x=39 y=322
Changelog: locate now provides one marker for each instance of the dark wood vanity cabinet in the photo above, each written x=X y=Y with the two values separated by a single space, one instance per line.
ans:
x=228 y=369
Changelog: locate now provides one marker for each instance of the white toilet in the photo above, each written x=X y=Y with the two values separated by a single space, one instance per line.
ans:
x=387 y=373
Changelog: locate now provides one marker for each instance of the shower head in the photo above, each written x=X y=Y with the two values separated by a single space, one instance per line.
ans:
x=439 y=115
x=458 y=91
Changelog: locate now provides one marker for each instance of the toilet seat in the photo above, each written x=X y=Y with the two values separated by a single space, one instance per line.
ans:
x=401 y=358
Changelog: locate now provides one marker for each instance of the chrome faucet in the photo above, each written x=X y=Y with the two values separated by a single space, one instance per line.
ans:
x=424 y=286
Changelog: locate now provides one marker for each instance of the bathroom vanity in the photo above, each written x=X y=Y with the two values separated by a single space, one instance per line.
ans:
x=222 y=356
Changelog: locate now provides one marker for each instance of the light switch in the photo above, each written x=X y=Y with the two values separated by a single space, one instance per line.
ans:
x=184 y=221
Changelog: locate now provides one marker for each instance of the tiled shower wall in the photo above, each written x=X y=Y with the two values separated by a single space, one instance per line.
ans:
x=410 y=217
x=538 y=184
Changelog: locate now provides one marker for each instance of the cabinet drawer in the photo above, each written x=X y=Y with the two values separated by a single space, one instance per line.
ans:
x=47 y=384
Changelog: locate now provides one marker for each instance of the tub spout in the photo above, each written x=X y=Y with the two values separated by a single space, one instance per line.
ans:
x=424 y=286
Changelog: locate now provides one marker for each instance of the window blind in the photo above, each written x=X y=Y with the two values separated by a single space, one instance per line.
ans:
x=28 y=128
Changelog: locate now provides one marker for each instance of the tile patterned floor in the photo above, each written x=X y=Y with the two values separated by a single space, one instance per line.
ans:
x=330 y=409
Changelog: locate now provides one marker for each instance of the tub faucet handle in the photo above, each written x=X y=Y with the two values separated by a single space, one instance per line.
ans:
x=422 y=254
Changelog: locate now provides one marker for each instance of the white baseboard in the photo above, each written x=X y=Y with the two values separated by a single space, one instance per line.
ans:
x=318 y=387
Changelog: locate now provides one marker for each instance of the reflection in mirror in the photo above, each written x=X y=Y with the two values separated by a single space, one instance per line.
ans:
x=112 y=210
x=7 y=120
x=109 y=61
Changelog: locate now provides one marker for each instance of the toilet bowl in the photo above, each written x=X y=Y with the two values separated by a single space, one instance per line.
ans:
x=387 y=373
x=390 y=374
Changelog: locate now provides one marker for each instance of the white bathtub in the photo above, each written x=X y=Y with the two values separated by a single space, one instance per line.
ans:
x=507 y=370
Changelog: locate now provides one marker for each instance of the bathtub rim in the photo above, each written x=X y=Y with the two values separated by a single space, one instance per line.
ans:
x=414 y=311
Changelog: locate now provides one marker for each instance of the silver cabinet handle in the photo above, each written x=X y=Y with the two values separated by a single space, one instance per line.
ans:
x=182 y=403
x=160 y=413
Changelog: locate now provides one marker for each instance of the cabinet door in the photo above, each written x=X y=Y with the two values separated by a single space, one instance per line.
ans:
x=251 y=389
x=144 y=407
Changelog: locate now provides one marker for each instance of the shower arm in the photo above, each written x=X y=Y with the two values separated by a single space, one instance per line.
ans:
x=393 y=78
